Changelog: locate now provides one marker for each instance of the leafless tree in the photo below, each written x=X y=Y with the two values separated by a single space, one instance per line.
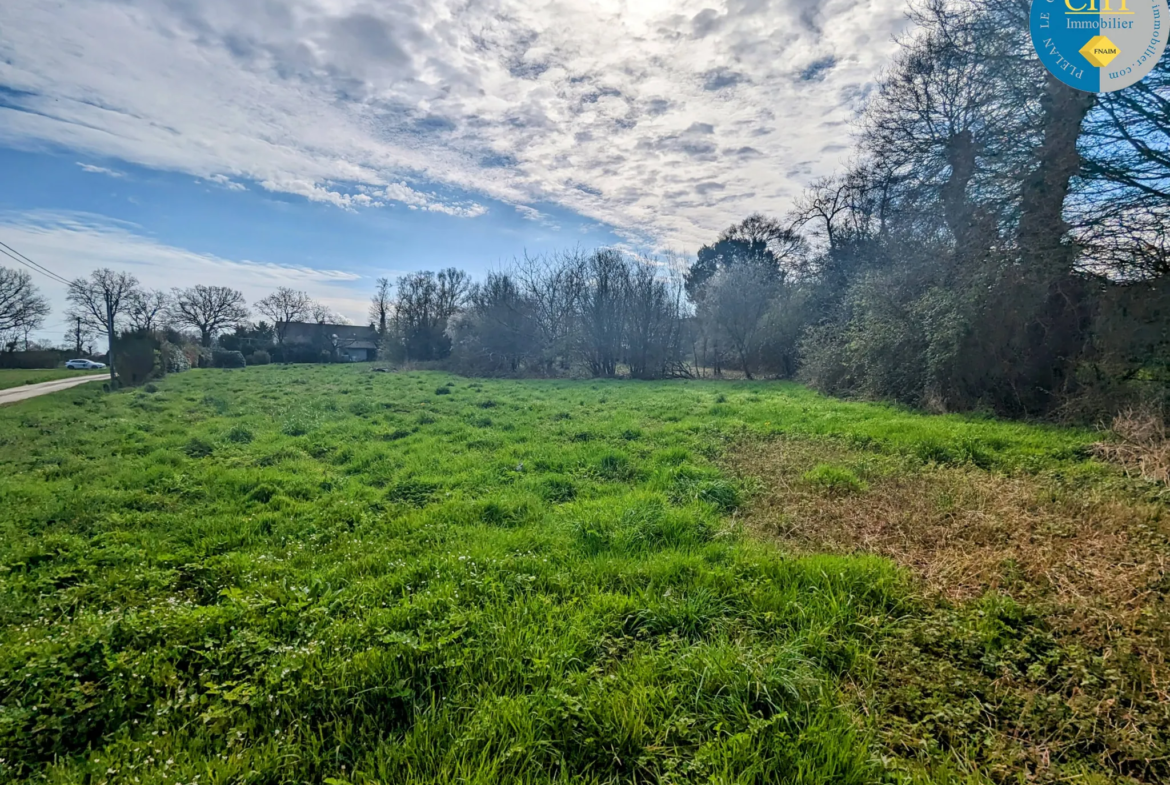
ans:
x=283 y=306
x=22 y=308
x=423 y=305
x=602 y=312
x=147 y=308
x=208 y=309
x=101 y=302
x=552 y=285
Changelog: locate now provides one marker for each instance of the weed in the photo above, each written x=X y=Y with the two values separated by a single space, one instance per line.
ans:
x=240 y=435
x=834 y=479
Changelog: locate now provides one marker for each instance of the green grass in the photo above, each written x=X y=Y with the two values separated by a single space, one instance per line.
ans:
x=10 y=377
x=312 y=574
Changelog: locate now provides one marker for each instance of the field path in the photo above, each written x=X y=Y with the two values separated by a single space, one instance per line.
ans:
x=15 y=394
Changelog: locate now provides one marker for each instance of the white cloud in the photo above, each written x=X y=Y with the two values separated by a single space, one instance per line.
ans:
x=72 y=245
x=226 y=182
x=666 y=118
x=99 y=170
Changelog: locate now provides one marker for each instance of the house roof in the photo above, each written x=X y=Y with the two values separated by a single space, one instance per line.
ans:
x=349 y=336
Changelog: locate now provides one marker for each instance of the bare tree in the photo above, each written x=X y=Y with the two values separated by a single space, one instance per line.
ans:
x=101 y=301
x=283 y=306
x=603 y=311
x=424 y=303
x=380 y=305
x=323 y=314
x=553 y=286
x=22 y=308
x=208 y=309
x=146 y=309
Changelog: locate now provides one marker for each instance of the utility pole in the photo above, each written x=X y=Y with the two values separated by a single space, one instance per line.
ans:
x=77 y=335
x=110 y=333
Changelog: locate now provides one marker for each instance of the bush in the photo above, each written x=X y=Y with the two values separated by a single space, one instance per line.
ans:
x=138 y=359
x=175 y=358
x=222 y=359
x=259 y=357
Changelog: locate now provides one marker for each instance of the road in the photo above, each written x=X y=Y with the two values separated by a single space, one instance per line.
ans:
x=14 y=394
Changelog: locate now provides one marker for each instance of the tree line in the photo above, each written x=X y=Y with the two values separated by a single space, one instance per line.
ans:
x=114 y=307
x=999 y=241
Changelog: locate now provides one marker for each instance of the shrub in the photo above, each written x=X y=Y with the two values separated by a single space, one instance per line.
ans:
x=221 y=359
x=443 y=391
x=259 y=357
x=1140 y=446
x=138 y=359
x=174 y=358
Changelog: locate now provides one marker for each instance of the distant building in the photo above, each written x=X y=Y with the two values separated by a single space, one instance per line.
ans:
x=346 y=341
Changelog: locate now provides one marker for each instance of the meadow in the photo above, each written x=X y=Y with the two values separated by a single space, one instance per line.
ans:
x=321 y=574
x=14 y=377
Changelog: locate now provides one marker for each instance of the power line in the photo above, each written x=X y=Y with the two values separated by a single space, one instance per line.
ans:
x=12 y=253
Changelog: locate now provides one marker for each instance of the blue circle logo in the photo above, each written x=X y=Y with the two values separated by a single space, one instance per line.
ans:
x=1099 y=45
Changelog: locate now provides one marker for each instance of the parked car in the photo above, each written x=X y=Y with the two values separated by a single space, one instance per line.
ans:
x=84 y=365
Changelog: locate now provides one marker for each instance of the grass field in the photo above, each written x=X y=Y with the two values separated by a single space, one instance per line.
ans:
x=10 y=377
x=320 y=574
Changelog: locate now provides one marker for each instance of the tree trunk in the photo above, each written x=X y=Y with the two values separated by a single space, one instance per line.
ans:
x=1059 y=319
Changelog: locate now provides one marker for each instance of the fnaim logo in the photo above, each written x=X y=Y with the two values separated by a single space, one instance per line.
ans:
x=1099 y=45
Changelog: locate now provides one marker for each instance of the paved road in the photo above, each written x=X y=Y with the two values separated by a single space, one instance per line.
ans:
x=14 y=394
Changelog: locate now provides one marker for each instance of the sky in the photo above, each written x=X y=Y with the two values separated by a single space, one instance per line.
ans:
x=320 y=144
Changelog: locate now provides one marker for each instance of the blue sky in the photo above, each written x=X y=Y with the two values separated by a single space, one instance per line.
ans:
x=323 y=143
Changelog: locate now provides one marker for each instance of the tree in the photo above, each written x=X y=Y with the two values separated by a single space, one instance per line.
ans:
x=552 y=286
x=737 y=300
x=603 y=311
x=653 y=322
x=729 y=251
x=782 y=241
x=380 y=305
x=22 y=308
x=146 y=309
x=208 y=309
x=424 y=303
x=497 y=332
x=101 y=301
x=283 y=306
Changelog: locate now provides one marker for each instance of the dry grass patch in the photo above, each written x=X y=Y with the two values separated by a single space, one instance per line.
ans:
x=1141 y=445
x=1037 y=650
x=963 y=530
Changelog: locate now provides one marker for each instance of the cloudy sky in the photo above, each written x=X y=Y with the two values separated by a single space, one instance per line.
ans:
x=322 y=143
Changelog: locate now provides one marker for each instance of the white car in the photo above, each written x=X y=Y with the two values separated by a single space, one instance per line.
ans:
x=84 y=365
